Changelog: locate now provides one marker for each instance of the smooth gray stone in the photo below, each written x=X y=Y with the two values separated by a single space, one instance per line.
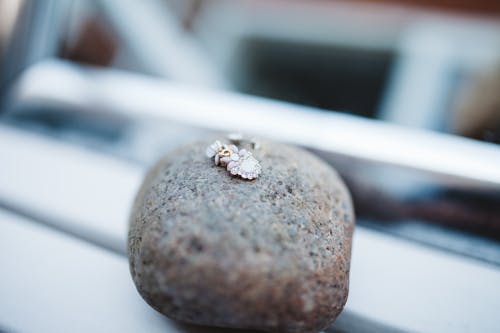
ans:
x=271 y=254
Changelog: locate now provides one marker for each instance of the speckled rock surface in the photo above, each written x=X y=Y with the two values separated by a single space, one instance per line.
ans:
x=271 y=254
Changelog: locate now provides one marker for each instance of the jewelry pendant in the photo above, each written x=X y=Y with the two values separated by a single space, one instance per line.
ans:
x=237 y=162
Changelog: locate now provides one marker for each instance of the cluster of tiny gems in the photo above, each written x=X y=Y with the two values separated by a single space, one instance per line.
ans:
x=238 y=162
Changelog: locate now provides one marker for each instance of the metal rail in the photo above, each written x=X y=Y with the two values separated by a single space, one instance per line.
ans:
x=453 y=160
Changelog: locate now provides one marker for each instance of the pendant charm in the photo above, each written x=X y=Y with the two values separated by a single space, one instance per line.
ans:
x=237 y=162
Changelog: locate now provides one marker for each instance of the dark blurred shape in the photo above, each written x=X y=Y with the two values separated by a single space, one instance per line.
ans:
x=475 y=213
x=336 y=78
x=478 y=112
x=95 y=44
x=189 y=17
x=484 y=7
x=468 y=211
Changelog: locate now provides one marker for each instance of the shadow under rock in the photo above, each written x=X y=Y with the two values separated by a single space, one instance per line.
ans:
x=191 y=328
x=347 y=322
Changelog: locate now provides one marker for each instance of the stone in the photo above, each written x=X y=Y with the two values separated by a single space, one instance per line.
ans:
x=270 y=254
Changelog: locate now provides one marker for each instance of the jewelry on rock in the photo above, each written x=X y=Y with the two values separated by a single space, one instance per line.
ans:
x=238 y=162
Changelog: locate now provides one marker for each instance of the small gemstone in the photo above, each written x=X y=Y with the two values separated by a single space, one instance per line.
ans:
x=248 y=165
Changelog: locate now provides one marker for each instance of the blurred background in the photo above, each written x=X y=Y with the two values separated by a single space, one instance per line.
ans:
x=401 y=96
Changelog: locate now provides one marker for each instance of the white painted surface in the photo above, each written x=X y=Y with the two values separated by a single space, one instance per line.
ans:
x=77 y=190
x=54 y=283
x=419 y=289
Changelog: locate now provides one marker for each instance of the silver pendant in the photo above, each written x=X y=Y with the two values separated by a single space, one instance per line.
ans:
x=238 y=162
